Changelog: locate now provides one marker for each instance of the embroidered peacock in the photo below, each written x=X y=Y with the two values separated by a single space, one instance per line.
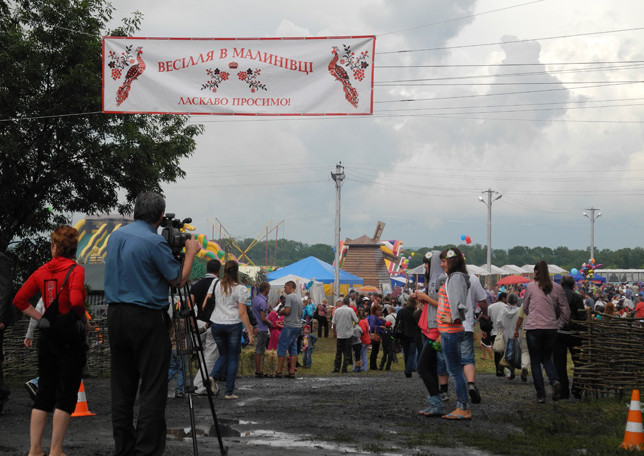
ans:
x=339 y=73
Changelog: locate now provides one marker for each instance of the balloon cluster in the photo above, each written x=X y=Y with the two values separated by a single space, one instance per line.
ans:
x=587 y=269
x=466 y=238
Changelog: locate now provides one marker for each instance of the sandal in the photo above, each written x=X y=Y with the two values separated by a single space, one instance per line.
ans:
x=278 y=375
x=290 y=375
x=261 y=375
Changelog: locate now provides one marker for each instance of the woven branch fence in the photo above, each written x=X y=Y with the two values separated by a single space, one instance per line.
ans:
x=23 y=362
x=612 y=356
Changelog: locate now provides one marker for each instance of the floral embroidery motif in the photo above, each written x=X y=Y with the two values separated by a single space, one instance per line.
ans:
x=250 y=77
x=357 y=64
x=216 y=78
x=119 y=62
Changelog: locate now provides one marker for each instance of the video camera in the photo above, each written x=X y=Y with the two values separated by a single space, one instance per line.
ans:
x=172 y=233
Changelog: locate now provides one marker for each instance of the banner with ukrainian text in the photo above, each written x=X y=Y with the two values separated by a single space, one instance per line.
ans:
x=240 y=76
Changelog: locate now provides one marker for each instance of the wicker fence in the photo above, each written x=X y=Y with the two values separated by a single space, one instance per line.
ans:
x=23 y=363
x=612 y=356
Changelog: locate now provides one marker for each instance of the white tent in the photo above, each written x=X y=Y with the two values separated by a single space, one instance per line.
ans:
x=495 y=270
x=287 y=278
x=316 y=290
x=513 y=269
x=473 y=269
x=554 y=269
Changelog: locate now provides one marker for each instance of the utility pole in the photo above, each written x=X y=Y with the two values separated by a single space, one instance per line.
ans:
x=592 y=219
x=337 y=177
x=488 y=203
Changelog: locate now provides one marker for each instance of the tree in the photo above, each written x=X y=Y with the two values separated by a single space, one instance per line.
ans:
x=60 y=154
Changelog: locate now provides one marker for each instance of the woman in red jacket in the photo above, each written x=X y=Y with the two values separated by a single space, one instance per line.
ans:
x=60 y=363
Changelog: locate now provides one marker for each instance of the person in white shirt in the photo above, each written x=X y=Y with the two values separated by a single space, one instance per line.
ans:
x=493 y=311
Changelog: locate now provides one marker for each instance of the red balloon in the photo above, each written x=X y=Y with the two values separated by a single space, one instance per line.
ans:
x=468 y=240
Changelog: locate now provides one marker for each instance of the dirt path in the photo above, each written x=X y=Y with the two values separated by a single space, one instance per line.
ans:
x=339 y=414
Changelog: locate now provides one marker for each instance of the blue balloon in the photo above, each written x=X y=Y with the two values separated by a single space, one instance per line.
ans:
x=462 y=237
x=574 y=271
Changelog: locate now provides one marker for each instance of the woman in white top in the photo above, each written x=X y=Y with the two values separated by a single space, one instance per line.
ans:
x=227 y=319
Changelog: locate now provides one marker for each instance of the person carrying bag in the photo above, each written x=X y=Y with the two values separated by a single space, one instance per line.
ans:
x=61 y=345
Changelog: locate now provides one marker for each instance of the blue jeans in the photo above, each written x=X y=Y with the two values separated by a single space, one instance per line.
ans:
x=451 y=343
x=176 y=367
x=410 y=353
x=363 y=357
x=228 y=339
x=307 y=357
x=541 y=343
x=467 y=348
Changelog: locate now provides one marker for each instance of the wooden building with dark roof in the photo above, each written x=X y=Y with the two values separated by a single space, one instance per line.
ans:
x=366 y=259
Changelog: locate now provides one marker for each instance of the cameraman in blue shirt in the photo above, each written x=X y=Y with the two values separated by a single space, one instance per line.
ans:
x=140 y=268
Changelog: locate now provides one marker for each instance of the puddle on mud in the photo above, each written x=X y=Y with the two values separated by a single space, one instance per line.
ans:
x=263 y=437
x=225 y=428
x=230 y=428
x=234 y=429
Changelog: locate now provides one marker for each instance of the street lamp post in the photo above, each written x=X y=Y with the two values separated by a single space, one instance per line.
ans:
x=337 y=177
x=592 y=217
x=488 y=203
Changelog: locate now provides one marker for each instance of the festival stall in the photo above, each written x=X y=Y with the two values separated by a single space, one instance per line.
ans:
x=302 y=285
x=312 y=268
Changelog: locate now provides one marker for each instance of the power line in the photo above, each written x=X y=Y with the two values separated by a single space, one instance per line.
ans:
x=546 y=38
x=521 y=92
x=469 y=16
x=52 y=116
x=456 y=84
x=512 y=105
x=529 y=73
x=485 y=65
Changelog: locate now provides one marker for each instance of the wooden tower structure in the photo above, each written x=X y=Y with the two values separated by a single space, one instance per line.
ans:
x=365 y=258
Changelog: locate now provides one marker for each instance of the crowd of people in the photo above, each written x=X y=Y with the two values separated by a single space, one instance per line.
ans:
x=531 y=328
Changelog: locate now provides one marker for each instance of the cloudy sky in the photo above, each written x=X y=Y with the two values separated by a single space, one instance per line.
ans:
x=540 y=101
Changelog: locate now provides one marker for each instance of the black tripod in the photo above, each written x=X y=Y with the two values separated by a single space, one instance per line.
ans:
x=189 y=344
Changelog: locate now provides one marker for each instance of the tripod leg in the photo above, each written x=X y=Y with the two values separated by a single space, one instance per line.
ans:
x=197 y=348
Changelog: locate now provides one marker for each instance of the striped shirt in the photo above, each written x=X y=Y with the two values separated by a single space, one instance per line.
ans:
x=444 y=309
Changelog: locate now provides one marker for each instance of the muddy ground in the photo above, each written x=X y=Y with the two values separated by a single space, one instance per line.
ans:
x=336 y=414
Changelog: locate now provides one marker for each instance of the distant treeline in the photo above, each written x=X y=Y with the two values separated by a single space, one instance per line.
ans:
x=628 y=258
x=284 y=252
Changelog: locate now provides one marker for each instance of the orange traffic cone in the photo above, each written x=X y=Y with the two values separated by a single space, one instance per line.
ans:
x=81 y=404
x=634 y=435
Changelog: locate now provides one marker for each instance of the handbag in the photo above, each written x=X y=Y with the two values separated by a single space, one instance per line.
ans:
x=66 y=329
x=375 y=337
x=499 y=343
x=204 y=312
x=513 y=354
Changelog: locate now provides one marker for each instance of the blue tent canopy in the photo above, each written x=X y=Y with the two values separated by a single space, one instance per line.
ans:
x=579 y=277
x=313 y=268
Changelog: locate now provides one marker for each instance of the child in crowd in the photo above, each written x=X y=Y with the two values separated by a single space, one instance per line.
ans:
x=308 y=344
x=387 y=346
